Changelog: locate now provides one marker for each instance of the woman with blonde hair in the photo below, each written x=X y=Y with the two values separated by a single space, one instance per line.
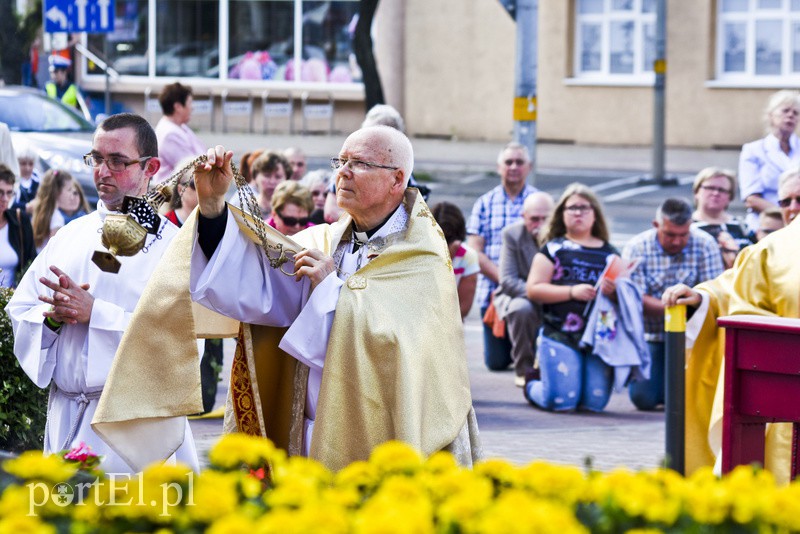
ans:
x=60 y=199
x=714 y=189
x=563 y=279
x=291 y=207
x=761 y=162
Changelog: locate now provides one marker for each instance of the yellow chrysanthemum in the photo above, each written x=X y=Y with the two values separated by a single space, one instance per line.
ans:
x=360 y=475
x=22 y=524
x=395 y=457
x=214 y=496
x=234 y=450
x=231 y=524
x=565 y=484
x=34 y=465
x=516 y=512
x=501 y=472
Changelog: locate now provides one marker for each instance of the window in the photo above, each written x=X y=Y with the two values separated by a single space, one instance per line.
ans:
x=615 y=40
x=758 y=40
x=268 y=40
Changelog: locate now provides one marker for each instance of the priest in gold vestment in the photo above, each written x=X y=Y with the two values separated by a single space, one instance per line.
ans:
x=764 y=281
x=363 y=344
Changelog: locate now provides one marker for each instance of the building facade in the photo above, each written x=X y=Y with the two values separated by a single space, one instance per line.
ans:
x=449 y=66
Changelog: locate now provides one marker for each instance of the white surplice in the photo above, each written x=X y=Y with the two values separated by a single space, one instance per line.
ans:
x=78 y=358
x=237 y=282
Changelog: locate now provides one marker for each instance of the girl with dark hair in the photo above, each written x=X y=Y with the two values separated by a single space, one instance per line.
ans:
x=16 y=236
x=465 y=260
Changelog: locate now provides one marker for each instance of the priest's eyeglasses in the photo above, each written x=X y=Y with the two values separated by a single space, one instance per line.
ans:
x=356 y=165
x=113 y=163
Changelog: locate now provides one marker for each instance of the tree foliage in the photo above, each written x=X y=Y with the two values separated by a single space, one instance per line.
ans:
x=23 y=406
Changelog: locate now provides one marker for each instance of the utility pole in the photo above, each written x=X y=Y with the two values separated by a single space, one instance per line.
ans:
x=526 y=13
x=660 y=70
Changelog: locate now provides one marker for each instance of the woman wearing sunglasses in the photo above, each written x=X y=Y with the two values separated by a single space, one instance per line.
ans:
x=291 y=206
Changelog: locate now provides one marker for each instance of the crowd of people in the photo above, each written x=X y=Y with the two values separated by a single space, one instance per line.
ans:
x=574 y=316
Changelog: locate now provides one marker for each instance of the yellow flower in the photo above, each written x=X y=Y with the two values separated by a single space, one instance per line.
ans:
x=514 y=512
x=231 y=524
x=34 y=465
x=399 y=505
x=22 y=524
x=441 y=462
x=501 y=472
x=395 y=457
x=360 y=475
x=565 y=484
x=214 y=497
x=233 y=450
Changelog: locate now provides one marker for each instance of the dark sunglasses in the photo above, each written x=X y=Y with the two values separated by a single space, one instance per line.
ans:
x=292 y=221
x=786 y=202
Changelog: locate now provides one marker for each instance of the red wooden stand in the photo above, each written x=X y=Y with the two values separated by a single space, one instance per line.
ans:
x=762 y=385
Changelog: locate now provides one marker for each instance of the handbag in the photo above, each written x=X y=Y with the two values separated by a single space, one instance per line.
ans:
x=493 y=320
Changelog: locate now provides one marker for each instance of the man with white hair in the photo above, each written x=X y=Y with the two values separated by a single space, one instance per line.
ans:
x=368 y=345
x=492 y=212
x=523 y=318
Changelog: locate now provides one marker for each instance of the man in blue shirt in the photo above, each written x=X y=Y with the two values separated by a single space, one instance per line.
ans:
x=672 y=252
x=491 y=213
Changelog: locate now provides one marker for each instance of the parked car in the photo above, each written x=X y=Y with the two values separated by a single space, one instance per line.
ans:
x=57 y=133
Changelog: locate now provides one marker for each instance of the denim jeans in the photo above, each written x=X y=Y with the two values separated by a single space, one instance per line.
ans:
x=647 y=394
x=496 y=350
x=569 y=379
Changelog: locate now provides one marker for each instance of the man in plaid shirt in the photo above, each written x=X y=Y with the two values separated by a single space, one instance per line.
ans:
x=491 y=213
x=672 y=253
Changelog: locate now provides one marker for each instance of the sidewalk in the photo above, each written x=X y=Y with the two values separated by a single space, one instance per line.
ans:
x=474 y=156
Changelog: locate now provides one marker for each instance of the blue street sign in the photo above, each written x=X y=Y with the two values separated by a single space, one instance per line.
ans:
x=90 y=16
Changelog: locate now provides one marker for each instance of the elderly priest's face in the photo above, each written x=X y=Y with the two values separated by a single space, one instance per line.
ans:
x=371 y=179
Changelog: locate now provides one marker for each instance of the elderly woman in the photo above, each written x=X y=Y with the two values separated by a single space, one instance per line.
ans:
x=562 y=278
x=16 y=236
x=291 y=206
x=713 y=191
x=317 y=182
x=28 y=182
x=761 y=162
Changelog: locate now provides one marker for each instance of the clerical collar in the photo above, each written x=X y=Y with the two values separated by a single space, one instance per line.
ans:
x=360 y=238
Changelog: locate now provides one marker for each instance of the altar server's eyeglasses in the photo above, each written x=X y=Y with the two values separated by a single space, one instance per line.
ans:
x=113 y=163
x=786 y=202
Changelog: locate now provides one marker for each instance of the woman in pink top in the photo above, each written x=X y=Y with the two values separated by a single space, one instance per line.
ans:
x=176 y=141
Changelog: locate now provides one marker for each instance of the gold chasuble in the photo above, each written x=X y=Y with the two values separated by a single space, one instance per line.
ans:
x=764 y=282
x=395 y=366
x=704 y=365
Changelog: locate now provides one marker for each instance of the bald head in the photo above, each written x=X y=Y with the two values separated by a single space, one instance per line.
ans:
x=388 y=146
x=536 y=209
x=373 y=181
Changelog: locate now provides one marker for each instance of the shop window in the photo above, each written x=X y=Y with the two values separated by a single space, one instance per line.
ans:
x=127 y=44
x=758 y=40
x=615 y=39
x=265 y=41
